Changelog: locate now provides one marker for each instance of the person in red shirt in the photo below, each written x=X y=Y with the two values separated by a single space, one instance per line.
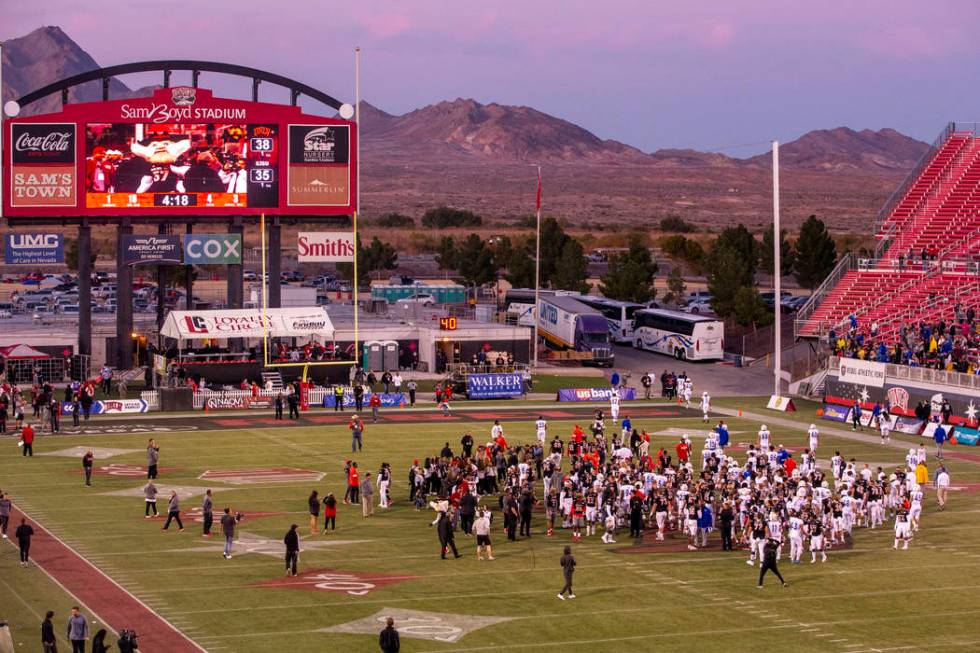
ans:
x=375 y=403
x=683 y=450
x=354 y=484
x=789 y=465
x=27 y=439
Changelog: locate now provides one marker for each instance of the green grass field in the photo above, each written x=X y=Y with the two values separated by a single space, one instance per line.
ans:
x=868 y=598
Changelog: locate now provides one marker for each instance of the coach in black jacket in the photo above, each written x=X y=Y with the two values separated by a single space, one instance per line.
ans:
x=388 y=640
x=446 y=537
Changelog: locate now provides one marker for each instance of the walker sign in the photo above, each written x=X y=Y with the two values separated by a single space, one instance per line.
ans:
x=494 y=386
x=212 y=249
x=33 y=249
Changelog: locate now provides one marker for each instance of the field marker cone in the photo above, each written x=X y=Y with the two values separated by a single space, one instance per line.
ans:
x=205 y=407
x=739 y=412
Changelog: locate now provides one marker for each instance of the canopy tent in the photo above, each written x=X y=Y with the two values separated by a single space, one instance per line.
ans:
x=249 y=323
x=22 y=352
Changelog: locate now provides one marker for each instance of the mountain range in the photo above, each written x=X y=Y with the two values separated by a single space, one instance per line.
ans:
x=476 y=156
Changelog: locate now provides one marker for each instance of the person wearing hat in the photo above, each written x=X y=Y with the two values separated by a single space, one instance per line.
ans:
x=291 y=540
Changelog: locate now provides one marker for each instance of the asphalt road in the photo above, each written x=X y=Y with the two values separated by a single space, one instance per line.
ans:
x=716 y=378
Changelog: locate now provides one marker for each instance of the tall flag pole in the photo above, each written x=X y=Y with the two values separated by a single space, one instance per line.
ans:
x=537 y=269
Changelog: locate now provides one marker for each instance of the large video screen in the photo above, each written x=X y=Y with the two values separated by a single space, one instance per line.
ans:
x=181 y=166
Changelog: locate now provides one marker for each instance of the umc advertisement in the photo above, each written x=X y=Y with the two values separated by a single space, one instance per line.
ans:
x=33 y=249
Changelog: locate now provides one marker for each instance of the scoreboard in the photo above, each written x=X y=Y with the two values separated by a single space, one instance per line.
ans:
x=181 y=151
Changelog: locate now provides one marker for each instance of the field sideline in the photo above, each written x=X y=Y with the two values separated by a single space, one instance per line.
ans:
x=630 y=597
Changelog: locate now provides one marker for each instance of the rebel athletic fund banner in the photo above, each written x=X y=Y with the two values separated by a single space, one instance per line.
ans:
x=388 y=399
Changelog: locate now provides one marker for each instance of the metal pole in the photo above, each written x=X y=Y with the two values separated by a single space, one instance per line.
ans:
x=2 y=111
x=537 y=274
x=357 y=199
x=777 y=269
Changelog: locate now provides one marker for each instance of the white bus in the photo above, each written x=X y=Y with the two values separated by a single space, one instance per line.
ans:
x=618 y=314
x=681 y=335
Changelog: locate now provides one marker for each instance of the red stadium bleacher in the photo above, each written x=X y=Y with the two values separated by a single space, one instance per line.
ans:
x=928 y=259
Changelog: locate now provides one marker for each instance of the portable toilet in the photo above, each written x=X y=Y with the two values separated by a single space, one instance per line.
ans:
x=389 y=355
x=373 y=358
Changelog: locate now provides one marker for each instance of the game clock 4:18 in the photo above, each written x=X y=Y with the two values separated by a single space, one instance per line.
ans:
x=175 y=199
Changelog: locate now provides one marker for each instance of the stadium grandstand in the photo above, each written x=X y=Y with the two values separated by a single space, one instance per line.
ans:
x=919 y=294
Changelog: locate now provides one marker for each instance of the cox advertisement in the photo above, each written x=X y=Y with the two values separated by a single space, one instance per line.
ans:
x=387 y=399
x=33 y=249
x=212 y=249
x=595 y=394
x=494 y=386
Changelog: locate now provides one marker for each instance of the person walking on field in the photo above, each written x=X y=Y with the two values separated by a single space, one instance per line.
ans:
x=375 y=404
x=5 y=506
x=27 y=440
x=770 y=553
x=482 y=529
x=447 y=540
x=78 y=632
x=173 y=513
x=942 y=486
x=48 y=640
x=87 y=461
x=24 y=533
x=367 y=495
x=568 y=568
x=228 y=530
x=388 y=639
x=292 y=550
x=152 y=458
x=412 y=389
x=356 y=427
x=278 y=405
x=314 y=502
x=207 y=508
x=150 y=495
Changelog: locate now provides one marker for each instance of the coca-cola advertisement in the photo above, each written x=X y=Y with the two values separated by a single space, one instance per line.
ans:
x=43 y=143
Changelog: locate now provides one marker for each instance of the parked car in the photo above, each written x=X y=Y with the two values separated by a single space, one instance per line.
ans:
x=699 y=295
x=292 y=275
x=697 y=306
x=422 y=299
x=249 y=275
x=770 y=297
x=5 y=314
x=794 y=303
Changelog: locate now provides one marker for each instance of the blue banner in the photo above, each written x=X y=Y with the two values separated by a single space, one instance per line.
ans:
x=967 y=436
x=595 y=394
x=388 y=399
x=836 y=413
x=494 y=386
x=33 y=249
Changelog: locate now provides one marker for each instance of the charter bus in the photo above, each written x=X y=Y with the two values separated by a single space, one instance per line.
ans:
x=681 y=335
x=618 y=314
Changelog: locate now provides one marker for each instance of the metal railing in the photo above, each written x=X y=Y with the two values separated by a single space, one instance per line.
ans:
x=922 y=375
x=845 y=265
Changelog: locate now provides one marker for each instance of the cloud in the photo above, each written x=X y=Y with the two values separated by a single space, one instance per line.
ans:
x=386 y=25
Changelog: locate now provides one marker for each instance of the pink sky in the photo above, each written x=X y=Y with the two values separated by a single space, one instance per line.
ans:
x=653 y=74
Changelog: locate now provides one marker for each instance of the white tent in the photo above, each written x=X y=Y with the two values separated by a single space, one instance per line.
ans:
x=249 y=323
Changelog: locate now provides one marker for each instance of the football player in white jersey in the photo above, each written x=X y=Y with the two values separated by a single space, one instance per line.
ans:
x=705 y=406
x=814 y=435
x=915 y=511
x=774 y=531
x=765 y=438
x=885 y=426
x=614 y=405
x=686 y=392
x=542 y=426
x=795 y=528
x=496 y=430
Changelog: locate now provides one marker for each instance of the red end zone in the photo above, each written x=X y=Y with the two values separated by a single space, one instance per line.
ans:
x=332 y=580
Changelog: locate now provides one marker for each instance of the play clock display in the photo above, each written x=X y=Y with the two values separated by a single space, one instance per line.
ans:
x=448 y=323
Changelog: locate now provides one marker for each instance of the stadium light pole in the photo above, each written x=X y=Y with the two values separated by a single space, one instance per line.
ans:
x=537 y=270
x=777 y=270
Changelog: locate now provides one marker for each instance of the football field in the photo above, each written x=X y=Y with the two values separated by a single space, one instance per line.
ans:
x=95 y=548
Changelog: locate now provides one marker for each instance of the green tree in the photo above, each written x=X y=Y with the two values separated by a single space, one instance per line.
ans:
x=684 y=249
x=728 y=271
x=475 y=261
x=816 y=253
x=571 y=269
x=740 y=240
x=629 y=276
x=71 y=255
x=376 y=256
x=675 y=287
x=446 y=253
x=787 y=253
x=443 y=217
x=394 y=220
x=748 y=308
x=676 y=224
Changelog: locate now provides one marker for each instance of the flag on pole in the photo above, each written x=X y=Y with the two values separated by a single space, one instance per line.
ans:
x=537 y=205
